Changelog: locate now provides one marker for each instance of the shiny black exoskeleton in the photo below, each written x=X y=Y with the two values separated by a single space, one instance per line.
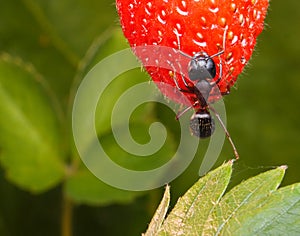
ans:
x=201 y=69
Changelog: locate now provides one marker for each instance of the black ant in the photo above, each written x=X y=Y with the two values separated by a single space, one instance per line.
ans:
x=202 y=70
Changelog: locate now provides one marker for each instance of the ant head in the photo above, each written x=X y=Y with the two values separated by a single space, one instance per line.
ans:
x=202 y=124
x=201 y=67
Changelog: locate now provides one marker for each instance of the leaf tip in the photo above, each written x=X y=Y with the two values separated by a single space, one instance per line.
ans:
x=283 y=167
x=230 y=162
x=167 y=189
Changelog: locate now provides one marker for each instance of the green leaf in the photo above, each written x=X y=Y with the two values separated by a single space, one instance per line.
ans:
x=241 y=200
x=30 y=140
x=254 y=207
x=54 y=35
x=131 y=161
x=193 y=209
x=85 y=188
x=276 y=214
x=159 y=215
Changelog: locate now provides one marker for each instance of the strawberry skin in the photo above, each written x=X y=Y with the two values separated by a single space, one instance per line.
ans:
x=200 y=25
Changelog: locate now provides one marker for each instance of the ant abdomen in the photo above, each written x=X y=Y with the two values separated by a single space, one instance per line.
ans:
x=202 y=124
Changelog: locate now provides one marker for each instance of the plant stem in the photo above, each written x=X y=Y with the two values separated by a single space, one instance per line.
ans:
x=67 y=213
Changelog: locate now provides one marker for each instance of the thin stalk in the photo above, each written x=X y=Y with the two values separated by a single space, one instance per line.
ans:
x=66 y=220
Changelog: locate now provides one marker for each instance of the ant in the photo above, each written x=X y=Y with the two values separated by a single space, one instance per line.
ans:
x=202 y=70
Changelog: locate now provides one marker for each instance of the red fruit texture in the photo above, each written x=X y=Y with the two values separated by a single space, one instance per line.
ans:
x=193 y=26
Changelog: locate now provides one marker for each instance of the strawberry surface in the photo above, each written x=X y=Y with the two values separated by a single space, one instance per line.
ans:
x=193 y=26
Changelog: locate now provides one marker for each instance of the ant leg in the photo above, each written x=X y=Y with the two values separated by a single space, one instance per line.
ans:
x=173 y=75
x=220 y=64
x=220 y=73
x=226 y=132
x=182 y=77
x=179 y=114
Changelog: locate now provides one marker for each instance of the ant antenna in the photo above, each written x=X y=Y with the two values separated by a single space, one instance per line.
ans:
x=178 y=44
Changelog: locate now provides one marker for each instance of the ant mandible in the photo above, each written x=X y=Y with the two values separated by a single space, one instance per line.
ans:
x=202 y=70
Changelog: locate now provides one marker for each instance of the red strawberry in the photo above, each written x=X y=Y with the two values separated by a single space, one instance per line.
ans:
x=198 y=25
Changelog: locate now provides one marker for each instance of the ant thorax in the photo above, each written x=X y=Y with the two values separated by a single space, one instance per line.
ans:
x=204 y=87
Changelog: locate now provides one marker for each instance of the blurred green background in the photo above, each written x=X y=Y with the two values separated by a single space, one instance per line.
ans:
x=46 y=48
